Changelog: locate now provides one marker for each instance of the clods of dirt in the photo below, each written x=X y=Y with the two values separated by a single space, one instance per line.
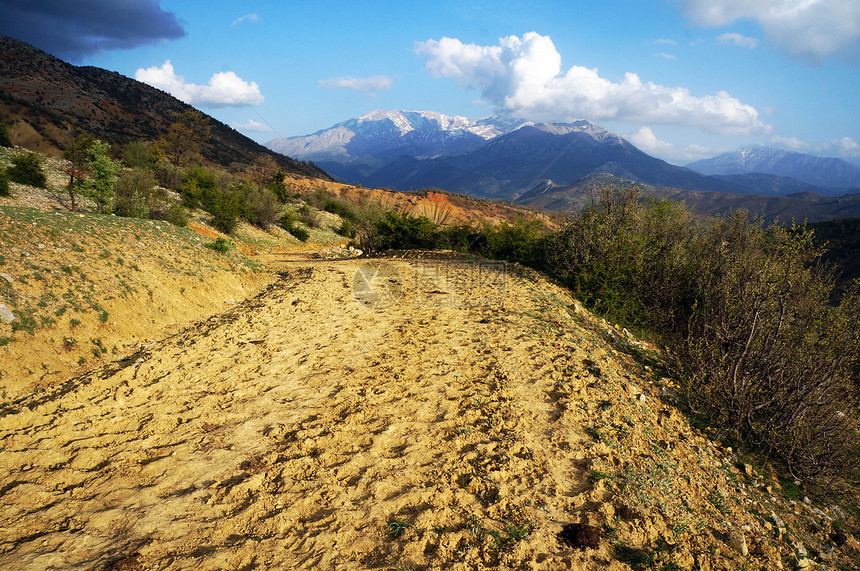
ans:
x=580 y=535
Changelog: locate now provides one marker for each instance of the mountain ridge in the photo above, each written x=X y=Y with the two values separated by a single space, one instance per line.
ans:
x=511 y=164
x=801 y=206
x=492 y=157
x=835 y=176
x=353 y=149
x=46 y=99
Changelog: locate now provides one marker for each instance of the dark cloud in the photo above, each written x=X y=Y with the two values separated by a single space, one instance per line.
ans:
x=74 y=29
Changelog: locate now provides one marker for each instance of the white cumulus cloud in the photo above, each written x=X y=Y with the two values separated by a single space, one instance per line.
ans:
x=738 y=40
x=251 y=125
x=664 y=55
x=846 y=146
x=841 y=147
x=225 y=89
x=645 y=140
x=810 y=28
x=792 y=143
x=370 y=84
x=523 y=77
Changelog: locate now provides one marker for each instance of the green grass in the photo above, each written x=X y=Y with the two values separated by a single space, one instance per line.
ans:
x=396 y=527
x=595 y=476
x=637 y=558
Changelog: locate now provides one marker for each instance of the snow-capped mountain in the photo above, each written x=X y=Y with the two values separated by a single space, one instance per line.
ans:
x=380 y=136
x=492 y=157
x=511 y=164
x=819 y=171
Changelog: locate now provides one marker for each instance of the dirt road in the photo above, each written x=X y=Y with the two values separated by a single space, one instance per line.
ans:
x=392 y=414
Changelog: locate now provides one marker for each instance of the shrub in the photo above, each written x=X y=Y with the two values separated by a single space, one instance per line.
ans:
x=512 y=242
x=761 y=351
x=27 y=169
x=262 y=207
x=288 y=223
x=139 y=154
x=377 y=230
x=278 y=187
x=347 y=228
x=77 y=151
x=5 y=139
x=4 y=183
x=169 y=175
x=209 y=190
x=132 y=190
x=307 y=216
x=403 y=231
x=367 y=215
x=287 y=220
x=744 y=311
x=220 y=245
x=196 y=183
x=618 y=256
x=462 y=238
x=102 y=175
x=300 y=233
x=176 y=214
x=342 y=209
x=225 y=208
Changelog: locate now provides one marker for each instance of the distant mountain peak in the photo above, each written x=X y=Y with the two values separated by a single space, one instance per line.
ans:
x=380 y=135
x=408 y=121
x=496 y=156
x=595 y=131
x=825 y=172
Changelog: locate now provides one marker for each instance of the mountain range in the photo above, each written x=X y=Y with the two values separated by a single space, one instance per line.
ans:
x=503 y=158
x=835 y=176
x=803 y=206
x=493 y=157
x=354 y=149
x=44 y=100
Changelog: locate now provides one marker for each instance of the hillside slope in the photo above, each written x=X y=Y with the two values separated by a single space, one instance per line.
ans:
x=804 y=206
x=430 y=413
x=86 y=288
x=43 y=99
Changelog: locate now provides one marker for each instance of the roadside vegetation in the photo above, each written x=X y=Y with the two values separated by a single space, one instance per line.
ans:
x=165 y=180
x=742 y=309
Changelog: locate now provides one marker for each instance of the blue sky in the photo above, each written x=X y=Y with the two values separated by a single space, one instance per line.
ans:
x=681 y=79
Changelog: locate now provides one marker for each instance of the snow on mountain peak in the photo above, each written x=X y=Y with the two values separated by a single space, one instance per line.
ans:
x=381 y=135
x=407 y=121
x=396 y=117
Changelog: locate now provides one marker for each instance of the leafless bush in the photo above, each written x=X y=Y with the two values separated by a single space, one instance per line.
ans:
x=761 y=350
